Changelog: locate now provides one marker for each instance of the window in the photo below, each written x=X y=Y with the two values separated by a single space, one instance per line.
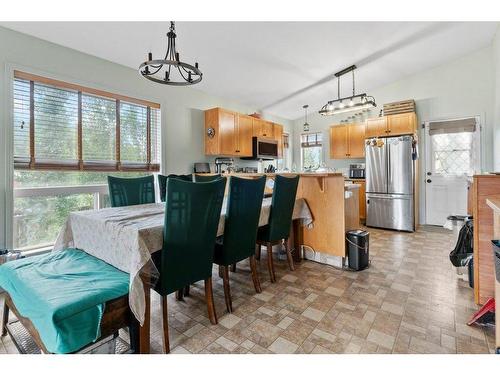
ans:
x=311 y=149
x=453 y=149
x=285 y=162
x=64 y=126
x=67 y=140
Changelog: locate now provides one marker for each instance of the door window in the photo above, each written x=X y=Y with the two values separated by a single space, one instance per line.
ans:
x=452 y=154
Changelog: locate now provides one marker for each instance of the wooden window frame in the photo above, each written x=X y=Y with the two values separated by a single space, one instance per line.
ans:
x=80 y=164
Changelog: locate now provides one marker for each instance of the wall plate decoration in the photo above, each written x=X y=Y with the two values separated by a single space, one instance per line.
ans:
x=211 y=132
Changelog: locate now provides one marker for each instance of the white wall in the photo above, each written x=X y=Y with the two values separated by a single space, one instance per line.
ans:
x=182 y=116
x=460 y=88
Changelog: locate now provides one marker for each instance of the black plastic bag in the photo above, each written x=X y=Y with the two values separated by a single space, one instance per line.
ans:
x=460 y=255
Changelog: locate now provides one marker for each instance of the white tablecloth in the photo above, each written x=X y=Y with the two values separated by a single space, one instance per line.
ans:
x=125 y=237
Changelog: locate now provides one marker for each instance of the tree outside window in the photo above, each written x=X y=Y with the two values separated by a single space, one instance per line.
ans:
x=311 y=150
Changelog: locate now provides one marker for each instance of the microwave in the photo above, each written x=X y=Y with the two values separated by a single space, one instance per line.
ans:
x=263 y=149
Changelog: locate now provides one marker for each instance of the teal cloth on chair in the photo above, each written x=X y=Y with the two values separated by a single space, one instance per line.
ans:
x=63 y=294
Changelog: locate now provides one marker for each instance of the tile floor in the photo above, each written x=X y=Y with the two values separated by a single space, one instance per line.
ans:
x=408 y=301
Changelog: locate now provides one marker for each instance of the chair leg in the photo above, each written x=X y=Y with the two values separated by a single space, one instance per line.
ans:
x=179 y=294
x=255 y=275
x=289 y=255
x=209 y=295
x=233 y=267
x=270 y=264
x=164 y=312
x=227 y=289
x=257 y=251
x=133 y=332
x=187 y=290
x=5 y=318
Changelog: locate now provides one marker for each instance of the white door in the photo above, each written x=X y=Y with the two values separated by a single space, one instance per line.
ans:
x=452 y=156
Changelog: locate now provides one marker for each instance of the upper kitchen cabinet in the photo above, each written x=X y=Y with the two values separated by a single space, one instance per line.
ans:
x=338 y=142
x=227 y=133
x=278 y=136
x=376 y=127
x=386 y=126
x=262 y=128
x=347 y=141
x=245 y=134
x=403 y=123
x=356 y=140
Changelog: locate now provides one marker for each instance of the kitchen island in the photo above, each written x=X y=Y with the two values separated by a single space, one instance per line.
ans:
x=325 y=196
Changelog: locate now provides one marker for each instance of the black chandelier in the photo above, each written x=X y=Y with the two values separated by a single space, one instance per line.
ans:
x=349 y=103
x=165 y=70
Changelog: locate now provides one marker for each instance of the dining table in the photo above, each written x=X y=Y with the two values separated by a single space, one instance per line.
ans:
x=126 y=237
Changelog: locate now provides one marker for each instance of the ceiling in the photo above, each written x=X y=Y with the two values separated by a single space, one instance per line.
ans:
x=277 y=66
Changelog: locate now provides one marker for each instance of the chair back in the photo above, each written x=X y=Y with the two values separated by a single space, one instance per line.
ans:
x=162 y=182
x=203 y=178
x=192 y=214
x=131 y=191
x=242 y=218
x=283 y=201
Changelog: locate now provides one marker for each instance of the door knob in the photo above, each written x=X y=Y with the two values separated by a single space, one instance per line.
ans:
x=429 y=180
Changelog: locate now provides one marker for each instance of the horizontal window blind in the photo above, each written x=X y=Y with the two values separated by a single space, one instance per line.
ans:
x=63 y=126
x=467 y=125
x=311 y=140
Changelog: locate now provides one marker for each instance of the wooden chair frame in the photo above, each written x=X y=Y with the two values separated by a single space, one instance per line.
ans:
x=117 y=314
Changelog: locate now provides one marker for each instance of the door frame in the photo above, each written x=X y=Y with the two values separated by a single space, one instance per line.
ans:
x=427 y=150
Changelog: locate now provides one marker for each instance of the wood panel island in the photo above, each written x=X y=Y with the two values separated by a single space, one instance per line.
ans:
x=332 y=213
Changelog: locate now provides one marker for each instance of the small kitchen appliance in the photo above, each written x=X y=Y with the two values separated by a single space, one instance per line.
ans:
x=357 y=171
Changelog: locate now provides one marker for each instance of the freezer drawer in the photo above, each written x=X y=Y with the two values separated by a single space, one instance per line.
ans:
x=390 y=211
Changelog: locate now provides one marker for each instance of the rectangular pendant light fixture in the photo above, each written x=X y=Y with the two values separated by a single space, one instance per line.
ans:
x=349 y=103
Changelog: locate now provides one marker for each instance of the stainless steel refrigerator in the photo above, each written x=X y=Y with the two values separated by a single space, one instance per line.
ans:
x=390 y=179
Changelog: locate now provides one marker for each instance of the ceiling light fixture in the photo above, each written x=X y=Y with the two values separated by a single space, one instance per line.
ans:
x=165 y=70
x=306 y=124
x=355 y=102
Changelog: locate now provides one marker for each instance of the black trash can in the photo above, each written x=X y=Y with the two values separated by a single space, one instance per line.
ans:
x=357 y=244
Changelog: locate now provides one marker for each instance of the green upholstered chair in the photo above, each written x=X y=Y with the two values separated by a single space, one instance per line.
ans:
x=67 y=300
x=206 y=178
x=131 y=191
x=162 y=182
x=277 y=231
x=240 y=230
x=192 y=214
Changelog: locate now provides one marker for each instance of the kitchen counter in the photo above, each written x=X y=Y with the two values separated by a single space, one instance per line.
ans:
x=333 y=213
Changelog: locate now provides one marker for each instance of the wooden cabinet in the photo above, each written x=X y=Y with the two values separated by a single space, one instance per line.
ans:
x=404 y=123
x=245 y=134
x=227 y=133
x=347 y=141
x=262 y=128
x=376 y=127
x=362 y=198
x=386 y=126
x=356 y=140
x=230 y=133
x=339 y=148
x=278 y=136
